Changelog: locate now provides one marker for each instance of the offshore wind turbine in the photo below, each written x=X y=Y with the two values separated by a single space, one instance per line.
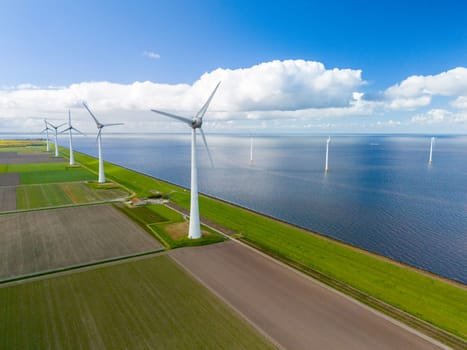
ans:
x=194 y=123
x=47 y=135
x=326 y=167
x=55 y=134
x=70 y=133
x=100 y=126
x=431 y=150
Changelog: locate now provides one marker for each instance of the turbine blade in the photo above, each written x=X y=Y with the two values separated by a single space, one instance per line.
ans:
x=61 y=125
x=69 y=118
x=79 y=132
x=53 y=126
x=183 y=119
x=98 y=134
x=65 y=130
x=203 y=109
x=112 y=124
x=92 y=115
x=207 y=148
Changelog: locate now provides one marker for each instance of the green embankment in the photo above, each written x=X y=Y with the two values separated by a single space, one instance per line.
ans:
x=433 y=300
x=146 y=304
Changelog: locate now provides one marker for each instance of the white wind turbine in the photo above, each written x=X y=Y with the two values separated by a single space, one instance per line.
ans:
x=326 y=167
x=70 y=133
x=55 y=134
x=194 y=123
x=100 y=126
x=47 y=134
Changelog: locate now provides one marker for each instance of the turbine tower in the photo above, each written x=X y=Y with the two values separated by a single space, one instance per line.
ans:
x=100 y=126
x=431 y=150
x=251 y=149
x=194 y=123
x=47 y=135
x=55 y=133
x=70 y=133
x=326 y=167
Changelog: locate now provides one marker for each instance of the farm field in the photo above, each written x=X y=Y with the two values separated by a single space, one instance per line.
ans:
x=58 y=194
x=39 y=241
x=146 y=304
x=7 y=198
x=22 y=155
x=38 y=173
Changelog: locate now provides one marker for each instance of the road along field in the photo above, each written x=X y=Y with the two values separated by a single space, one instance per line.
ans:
x=39 y=241
x=292 y=309
x=146 y=304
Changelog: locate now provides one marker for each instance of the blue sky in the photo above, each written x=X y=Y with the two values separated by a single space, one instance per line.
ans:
x=50 y=46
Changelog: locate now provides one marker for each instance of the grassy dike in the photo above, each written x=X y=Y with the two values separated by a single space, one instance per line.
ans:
x=373 y=278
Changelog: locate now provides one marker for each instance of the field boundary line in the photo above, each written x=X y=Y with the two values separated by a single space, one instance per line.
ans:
x=77 y=268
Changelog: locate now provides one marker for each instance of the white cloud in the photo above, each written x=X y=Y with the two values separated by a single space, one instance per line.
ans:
x=271 y=90
x=460 y=102
x=152 y=55
x=434 y=116
x=417 y=91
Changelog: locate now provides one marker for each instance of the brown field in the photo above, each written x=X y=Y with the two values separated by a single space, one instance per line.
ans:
x=292 y=309
x=40 y=241
x=7 y=198
x=9 y=179
x=27 y=158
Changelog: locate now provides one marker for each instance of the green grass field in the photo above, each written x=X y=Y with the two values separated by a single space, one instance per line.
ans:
x=40 y=173
x=58 y=194
x=146 y=304
x=430 y=299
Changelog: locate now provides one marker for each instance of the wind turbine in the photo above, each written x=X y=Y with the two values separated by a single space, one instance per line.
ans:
x=56 y=133
x=431 y=150
x=326 y=167
x=194 y=123
x=47 y=134
x=70 y=133
x=100 y=126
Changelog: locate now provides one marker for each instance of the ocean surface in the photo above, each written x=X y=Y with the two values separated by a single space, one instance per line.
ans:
x=380 y=193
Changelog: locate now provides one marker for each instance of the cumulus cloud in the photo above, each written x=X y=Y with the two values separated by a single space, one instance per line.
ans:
x=417 y=91
x=434 y=116
x=276 y=89
x=460 y=102
x=152 y=55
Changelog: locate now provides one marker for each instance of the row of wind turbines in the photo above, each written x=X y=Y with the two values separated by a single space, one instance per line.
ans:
x=194 y=123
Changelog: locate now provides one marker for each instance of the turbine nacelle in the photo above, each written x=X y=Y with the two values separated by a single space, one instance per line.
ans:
x=196 y=123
